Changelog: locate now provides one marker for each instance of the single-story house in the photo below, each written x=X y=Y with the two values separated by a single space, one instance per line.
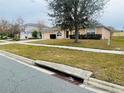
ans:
x=27 y=33
x=56 y=33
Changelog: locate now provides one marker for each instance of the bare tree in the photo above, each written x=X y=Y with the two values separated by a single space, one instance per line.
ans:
x=17 y=28
x=4 y=28
x=40 y=25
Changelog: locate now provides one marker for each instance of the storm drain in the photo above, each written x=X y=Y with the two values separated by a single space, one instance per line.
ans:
x=64 y=76
x=69 y=78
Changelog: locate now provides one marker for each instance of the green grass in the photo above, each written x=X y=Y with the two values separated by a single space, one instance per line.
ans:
x=106 y=67
x=117 y=43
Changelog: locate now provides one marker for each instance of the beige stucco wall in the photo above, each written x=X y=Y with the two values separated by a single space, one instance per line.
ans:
x=99 y=30
x=82 y=32
x=105 y=33
x=62 y=36
x=46 y=35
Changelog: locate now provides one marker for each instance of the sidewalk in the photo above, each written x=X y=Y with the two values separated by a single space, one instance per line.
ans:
x=77 y=48
x=5 y=42
x=25 y=42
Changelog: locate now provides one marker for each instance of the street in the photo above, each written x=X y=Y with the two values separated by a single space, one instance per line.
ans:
x=18 y=78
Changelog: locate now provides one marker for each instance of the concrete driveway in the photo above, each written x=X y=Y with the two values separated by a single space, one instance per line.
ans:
x=18 y=78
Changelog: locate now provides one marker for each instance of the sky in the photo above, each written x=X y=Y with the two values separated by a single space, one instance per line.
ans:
x=34 y=10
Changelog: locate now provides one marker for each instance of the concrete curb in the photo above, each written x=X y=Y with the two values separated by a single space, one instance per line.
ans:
x=97 y=84
x=20 y=58
x=94 y=83
x=79 y=73
x=109 y=87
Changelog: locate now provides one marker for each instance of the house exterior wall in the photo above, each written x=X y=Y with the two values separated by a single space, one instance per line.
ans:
x=99 y=30
x=81 y=31
x=62 y=34
x=25 y=35
x=104 y=32
x=28 y=32
x=46 y=35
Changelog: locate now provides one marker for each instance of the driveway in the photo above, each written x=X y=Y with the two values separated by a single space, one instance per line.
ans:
x=18 y=78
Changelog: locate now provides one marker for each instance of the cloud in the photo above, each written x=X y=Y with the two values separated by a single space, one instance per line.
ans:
x=31 y=11
x=113 y=14
x=34 y=10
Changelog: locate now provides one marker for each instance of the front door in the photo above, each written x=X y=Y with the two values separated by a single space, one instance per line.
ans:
x=67 y=34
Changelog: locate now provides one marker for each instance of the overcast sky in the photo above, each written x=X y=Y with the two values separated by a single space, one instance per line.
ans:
x=33 y=10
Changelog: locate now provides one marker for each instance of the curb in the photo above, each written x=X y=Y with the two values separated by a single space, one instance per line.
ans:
x=76 y=72
x=103 y=85
x=94 y=83
x=20 y=58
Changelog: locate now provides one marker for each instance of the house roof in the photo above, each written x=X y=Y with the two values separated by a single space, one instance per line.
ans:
x=35 y=25
x=52 y=29
x=103 y=26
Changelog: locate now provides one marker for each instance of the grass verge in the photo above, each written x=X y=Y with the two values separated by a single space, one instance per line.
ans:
x=117 y=43
x=106 y=67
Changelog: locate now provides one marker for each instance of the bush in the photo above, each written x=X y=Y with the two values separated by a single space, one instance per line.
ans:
x=3 y=36
x=88 y=36
x=35 y=34
x=92 y=36
x=16 y=37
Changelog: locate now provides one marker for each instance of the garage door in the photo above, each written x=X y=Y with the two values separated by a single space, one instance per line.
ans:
x=52 y=36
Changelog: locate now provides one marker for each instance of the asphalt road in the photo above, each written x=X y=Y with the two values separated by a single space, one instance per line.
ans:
x=18 y=78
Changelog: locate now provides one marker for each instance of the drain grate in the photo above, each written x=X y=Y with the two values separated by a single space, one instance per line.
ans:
x=69 y=78
x=64 y=76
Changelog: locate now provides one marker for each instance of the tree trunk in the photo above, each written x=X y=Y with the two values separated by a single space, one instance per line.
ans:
x=76 y=34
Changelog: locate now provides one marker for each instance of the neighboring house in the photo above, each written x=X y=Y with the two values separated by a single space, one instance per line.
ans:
x=57 y=33
x=27 y=33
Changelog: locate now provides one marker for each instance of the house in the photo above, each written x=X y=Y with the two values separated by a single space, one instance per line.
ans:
x=56 y=33
x=29 y=28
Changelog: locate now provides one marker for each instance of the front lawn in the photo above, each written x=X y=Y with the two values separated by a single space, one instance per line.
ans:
x=106 y=67
x=117 y=43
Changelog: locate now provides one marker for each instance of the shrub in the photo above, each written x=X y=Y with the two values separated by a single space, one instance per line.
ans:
x=35 y=34
x=3 y=36
x=92 y=36
x=88 y=36
x=16 y=37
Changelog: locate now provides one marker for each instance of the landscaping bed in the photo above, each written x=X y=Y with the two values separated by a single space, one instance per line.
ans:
x=117 y=43
x=106 y=67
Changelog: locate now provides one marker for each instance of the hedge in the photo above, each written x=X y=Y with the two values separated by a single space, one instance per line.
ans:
x=88 y=36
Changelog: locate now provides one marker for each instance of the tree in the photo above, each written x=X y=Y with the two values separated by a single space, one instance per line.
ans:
x=75 y=14
x=4 y=29
x=41 y=25
x=16 y=28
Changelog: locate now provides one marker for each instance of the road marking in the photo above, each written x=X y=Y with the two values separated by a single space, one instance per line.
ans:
x=31 y=66
x=41 y=70
x=92 y=89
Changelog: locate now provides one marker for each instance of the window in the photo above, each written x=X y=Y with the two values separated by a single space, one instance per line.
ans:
x=91 y=30
x=59 y=34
